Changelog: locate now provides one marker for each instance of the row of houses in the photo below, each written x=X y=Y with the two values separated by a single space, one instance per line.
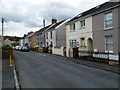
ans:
x=97 y=29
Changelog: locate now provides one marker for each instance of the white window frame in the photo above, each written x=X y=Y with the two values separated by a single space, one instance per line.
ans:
x=74 y=41
x=72 y=27
x=82 y=22
x=105 y=44
x=106 y=20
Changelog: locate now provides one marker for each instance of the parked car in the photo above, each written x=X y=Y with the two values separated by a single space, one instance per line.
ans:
x=20 y=47
x=25 y=48
x=13 y=47
x=17 y=47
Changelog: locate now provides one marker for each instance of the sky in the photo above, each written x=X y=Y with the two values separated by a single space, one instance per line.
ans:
x=22 y=16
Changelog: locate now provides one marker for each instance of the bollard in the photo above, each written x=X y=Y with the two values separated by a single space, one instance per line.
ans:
x=11 y=61
x=11 y=56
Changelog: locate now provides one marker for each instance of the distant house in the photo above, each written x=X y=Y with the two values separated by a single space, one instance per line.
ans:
x=26 y=39
x=7 y=42
x=33 y=40
x=106 y=29
x=40 y=36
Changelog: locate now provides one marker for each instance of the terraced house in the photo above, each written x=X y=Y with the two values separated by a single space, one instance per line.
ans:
x=56 y=37
x=79 y=32
x=106 y=29
x=96 y=29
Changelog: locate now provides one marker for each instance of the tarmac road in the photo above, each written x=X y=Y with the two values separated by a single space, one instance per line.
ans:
x=40 y=70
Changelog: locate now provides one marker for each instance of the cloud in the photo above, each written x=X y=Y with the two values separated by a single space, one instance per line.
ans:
x=17 y=29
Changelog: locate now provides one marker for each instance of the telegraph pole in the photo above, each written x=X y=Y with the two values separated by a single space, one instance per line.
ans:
x=2 y=26
x=2 y=30
x=44 y=31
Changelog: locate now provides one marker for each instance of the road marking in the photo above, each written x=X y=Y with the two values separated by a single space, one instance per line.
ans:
x=16 y=79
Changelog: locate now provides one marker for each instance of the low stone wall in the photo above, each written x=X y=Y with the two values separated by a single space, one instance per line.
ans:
x=59 y=50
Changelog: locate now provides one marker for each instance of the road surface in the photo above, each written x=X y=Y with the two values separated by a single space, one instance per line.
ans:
x=39 y=70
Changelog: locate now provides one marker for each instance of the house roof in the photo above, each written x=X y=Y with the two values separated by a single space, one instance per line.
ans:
x=51 y=26
x=95 y=10
x=42 y=29
x=55 y=25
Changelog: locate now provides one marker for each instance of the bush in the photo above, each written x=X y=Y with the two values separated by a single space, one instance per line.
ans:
x=6 y=47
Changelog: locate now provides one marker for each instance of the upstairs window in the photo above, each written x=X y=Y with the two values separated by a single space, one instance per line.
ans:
x=47 y=35
x=72 y=27
x=108 y=20
x=82 y=23
x=51 y=34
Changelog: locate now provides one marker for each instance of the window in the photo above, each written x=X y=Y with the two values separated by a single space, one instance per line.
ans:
x=73 y=43
x=51 y=34
x=47 y=35
x=51 y=44
x=82 y=23
x=72 y=26
x=47 y=44
x=109 y=43
x=108 y=20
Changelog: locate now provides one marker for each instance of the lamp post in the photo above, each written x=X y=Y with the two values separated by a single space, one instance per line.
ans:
x=2 y=29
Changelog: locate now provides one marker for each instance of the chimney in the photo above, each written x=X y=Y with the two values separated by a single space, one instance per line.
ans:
x=54 y=20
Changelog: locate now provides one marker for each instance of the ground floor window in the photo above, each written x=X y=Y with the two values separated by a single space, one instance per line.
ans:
x=73 y=43
x=109 y=43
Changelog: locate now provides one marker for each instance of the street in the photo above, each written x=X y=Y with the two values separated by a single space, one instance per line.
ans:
x=40 y=70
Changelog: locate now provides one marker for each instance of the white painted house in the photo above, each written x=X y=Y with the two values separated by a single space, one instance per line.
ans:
x=56 y=35
x=79 y=32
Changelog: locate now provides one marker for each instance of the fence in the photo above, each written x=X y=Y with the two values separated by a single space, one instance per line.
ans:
x=95 y=56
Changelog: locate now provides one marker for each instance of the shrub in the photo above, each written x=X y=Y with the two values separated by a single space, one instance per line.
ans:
x=6 y=47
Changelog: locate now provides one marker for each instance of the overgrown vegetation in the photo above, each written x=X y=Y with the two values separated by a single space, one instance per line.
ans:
x=6 y=47
x=5 y=51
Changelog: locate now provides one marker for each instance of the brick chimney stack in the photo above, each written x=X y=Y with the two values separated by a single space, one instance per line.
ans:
x=54 y=20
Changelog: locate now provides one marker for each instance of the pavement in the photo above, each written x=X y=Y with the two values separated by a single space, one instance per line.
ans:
x=0 y=71
x=41 y=70
x=7 y=75
x=107 y=67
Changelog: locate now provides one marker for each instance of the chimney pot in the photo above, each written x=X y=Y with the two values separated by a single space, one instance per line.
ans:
x=54 y=20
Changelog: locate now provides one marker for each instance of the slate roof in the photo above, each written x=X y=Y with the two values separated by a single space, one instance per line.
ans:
x=42 y=29
x=95 y=10
x=51 y=26
x=56 y=24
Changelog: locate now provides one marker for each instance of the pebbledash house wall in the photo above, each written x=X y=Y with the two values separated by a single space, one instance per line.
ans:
x=61 y=35
x=119 y=29
x=99 y=32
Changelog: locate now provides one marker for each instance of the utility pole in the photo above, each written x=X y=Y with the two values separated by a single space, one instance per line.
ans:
x=2 y=30
x=2 y=25
x=44 y=31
